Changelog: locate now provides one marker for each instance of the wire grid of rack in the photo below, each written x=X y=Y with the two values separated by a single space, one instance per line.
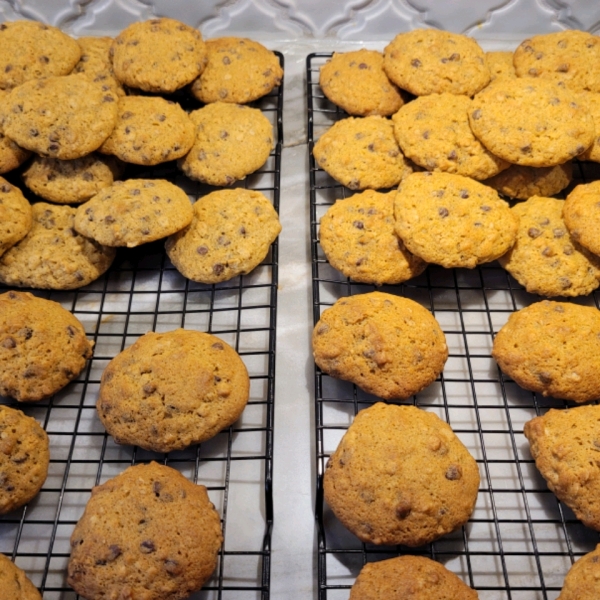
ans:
x=520 y=541
x=143 y=292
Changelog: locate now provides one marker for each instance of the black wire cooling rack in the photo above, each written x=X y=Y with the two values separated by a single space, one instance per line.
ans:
x=143 y=292
x=520 y=541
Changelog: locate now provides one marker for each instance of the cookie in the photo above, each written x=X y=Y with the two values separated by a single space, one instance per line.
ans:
x=14 y=582
x=570 y=57
x=361 y=153
x=387 y=345
x=31 y=50
x=531 y=122
x=53 y=255
x=564 y=444
x=546 y=259
x=231 y=142
x=150 y=130
x=230 y=234
x=358 y=238
x=453 y=221
x=582 y=582
x=430 y=61
x=134 y=212
x=434 y=132
x=591 y=100
x=15 y=215
x=24 y=457
x=409 y=578
x=95 y=61
x=60 y=117
x=170 y=390
x=400 y=476
x=521 y=182
x=356 y=82
x=146 y=533
x=238 y=70
x=11 y=154
x=70 y=181
x=500 y=64
x=42 y=346
x=581 y=213
x=160 y=55
x=552 y=348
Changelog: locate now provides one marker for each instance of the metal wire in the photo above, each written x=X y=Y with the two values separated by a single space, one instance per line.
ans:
x=520 y=541
x=143 y=292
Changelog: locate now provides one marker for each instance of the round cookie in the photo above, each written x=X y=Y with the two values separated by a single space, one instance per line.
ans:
x=358 y=238
x=70 y=181
x=14 y=582
x=159 y=55
x=564 y=444
x=149 y=130
x=546 y=259
x=15 y=215
x=238 y=70
x=42 y=346
x=409 y=578
x=230 y=234
x=231 y=142
x=146 y=533
x=11 y=154
x=361 y=153
x=387 y=345
x=171 y=390
x=500 y=64
x=95 y=61
x=61 y=117
x=581 y=213
x=400 y=476
x=582 y=582
x=134 y=212
x=453 y=221
x=521 y=183
x=591 y=100
x=570 y=57
x=53 y=255
x=552 y=348
x=24 y=458
x=31 y=50
x=356 y=82
x=430 y=61
x=434 y=132
x=531 y=122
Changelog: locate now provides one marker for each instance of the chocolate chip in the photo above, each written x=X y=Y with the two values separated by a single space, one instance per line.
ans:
x=71 y=331
x=323 y=328
x=9 y=343
x=218 y=269
x=554 y=101
x=87 y=176
x=568 y=250
x=113 y=552
x=127 y=115
x=565 y=283
x=161 y=118
x=8 y=68
x=533 y=232
x=149 y=388
x=135 y=192
x=545 y=377
x=5 y=188
x=172 y=567
x=44 y=59
x=147 y=546
x=547 y=251
x=229 y=179
x=242 y=231
x=526 y=149
x=403 y=509
x=452 y=155
x=453 y=472
x=443 y=212
x=224 y=135
x=108 y=98
x=34 y=132
x=156 y=487
x=223 y=93
x=562 y=68
x=415 y=62
x=558 y=232
x=437 y=193
x=27 y=333
x=109 y=219
x=354 y=184
x=358 y=224
x=226 y=60
x=425 y=135
x=371 y=147
x=363 y=66
x=53 y=148
x=533 y=72
x=476 y=114
x=217 y=346
x=202 y=250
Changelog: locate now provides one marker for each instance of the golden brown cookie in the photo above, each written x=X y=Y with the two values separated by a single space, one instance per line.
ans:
x=11 y=154
x=434 y=132
x=95 y=62
x=146 y=533
x=42 y=346
x=546 y=259
x=531 y=122
x=230 y=234
x=521 y=183
x=564 y=444
x=134 y=212
x=239 y=70
x=159 y=55
x=591 y=100
x=453 y=221
x=361 y=153
x=14 y=582
x=409 y=578
x=500 y=64
x=15 y=215
x=24 y=458
x=582 y=582
x=387 y=345
x=356 y=82
x=170 y=390
x=231 y=142
x=400 y=476
x=552 y=348
x=581 y=213
x=430 y=61
x=358 y=238
x=71 y=181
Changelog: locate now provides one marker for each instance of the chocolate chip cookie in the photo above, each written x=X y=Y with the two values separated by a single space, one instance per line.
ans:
x=15 y=215
x=14 y=582
x=583 y=579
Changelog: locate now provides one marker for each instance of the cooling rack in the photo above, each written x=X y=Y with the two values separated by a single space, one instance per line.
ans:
x=142 y=292
x=520 y=541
